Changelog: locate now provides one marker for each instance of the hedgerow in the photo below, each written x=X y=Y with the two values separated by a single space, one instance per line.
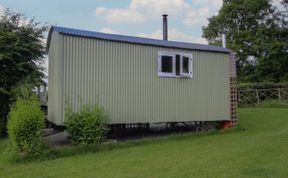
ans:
x=267 y=85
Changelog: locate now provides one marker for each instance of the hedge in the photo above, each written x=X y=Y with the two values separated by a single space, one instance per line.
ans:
x=88 y=126
x=25 y=125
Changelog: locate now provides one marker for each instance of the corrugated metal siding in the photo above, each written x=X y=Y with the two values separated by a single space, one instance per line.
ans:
x=55 y=80
x=123 y=78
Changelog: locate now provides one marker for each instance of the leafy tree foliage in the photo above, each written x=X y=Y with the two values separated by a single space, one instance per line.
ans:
x=257 y=31
x=21 y=51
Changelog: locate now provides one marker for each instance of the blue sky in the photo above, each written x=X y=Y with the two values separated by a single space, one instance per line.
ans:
x=128 y=17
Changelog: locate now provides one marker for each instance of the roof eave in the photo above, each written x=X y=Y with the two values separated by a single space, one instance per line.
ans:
x=53 y=28
x=49 y=38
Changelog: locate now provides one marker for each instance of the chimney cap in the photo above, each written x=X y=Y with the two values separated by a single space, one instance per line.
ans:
x=164 y=15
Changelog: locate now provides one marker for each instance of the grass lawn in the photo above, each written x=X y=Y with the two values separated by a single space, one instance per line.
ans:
x=260 y=150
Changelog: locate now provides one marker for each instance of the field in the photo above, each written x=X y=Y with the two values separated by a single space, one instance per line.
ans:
x=260 y=149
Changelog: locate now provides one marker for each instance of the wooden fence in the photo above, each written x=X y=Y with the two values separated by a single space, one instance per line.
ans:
x=256 y=96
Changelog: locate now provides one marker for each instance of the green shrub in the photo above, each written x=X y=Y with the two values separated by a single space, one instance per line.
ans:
x=88 y=126
x=272 y=104
x=25 y=124
x=266 y=104
x=267 y=85
x=3 y=128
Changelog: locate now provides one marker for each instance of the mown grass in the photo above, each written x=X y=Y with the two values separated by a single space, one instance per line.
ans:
x=258 y=150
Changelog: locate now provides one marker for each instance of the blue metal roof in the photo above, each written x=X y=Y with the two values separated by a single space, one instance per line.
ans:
x=137 y=40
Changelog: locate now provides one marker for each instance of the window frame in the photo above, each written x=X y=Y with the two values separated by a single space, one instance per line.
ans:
x=190 y=65
x=166 y=74
x=173 y=73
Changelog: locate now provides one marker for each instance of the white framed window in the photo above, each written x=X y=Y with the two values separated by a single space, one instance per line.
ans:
x=173 y=64
x=186 y=65
x=166 y=64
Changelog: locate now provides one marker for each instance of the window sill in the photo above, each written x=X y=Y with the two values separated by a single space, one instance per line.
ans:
x=175 y=76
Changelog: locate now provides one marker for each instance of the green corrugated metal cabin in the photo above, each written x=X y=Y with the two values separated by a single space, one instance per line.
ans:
x=137 y=80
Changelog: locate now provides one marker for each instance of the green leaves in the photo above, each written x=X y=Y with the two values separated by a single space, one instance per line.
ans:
x=21 y=49
x=88 y=126
x=25 y=124
x=257 y=32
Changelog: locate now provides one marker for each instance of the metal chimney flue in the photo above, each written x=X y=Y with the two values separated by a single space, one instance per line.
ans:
x=223 y=40
x=165 y=27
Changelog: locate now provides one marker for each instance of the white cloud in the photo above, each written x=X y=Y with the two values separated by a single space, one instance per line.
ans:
x=173 y=35
x=117 y=16
x=152 y=8
x=200 y=40
x=193 y=13
x=197 y=17
x=107 y=30
x=139 y=11
x=156 y=35
x=216 y=4
x=101 y=10
x=205 y=8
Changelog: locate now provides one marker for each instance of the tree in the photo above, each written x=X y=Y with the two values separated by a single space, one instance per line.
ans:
x=256 y=31
x=21 y=52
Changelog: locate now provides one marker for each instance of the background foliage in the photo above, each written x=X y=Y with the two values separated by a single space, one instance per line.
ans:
x=257 y=31
x=21 y=51
x=268 y=85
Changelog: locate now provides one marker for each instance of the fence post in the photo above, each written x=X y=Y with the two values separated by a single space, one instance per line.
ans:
x=257 y=96
x=279 y=95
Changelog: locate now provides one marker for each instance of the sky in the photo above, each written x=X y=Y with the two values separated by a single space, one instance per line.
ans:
x=128 y=17
x=141 y=18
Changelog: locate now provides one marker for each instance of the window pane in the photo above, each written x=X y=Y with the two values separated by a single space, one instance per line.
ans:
x=185 y=64
x=167 y=64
